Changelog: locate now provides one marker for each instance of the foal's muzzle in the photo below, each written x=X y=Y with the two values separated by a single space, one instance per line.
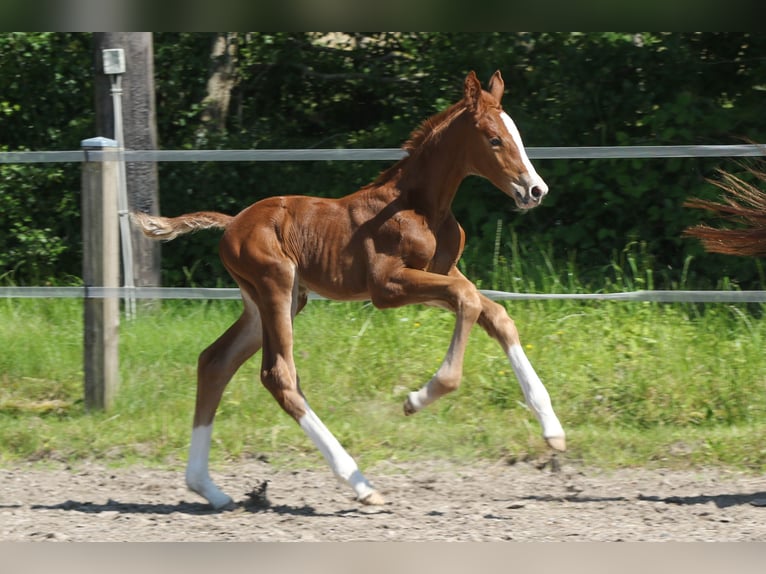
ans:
x=530 y=191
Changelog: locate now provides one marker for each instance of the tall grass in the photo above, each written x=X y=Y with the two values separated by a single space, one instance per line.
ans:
x=633 y=383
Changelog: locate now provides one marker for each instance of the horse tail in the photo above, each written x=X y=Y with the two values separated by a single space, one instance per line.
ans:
x=167 y=228
x=743 y=204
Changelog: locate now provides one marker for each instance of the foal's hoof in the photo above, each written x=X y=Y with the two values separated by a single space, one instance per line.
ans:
x=222 y=502
x=409 y=406
x=557 y=442
x=373 y=499
x=226 y=506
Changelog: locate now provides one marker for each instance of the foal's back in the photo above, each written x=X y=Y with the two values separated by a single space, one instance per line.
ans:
x=330 y=242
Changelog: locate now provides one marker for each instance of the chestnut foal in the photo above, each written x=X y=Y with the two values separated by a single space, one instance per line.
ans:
x=394 y=242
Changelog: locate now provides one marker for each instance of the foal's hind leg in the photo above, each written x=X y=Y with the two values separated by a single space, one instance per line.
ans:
x=279 y=376
x=216 y=365
x=495 y=321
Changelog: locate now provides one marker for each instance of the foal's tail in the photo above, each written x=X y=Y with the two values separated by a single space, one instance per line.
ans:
x=745 y=204
x=167 y=228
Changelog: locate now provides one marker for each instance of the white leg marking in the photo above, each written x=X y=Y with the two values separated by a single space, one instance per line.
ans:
x=418 y=400
x=450 y=369
x=197 y=476
x=536 y=395
x=424 y=396
x=339 y=460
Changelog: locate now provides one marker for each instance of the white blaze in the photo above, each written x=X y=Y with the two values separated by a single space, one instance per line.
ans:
x=514 y=131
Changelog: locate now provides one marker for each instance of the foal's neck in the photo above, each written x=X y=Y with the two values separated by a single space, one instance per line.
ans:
x=429 y=178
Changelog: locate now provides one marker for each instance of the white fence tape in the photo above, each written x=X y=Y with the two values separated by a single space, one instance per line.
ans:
x=223 y=293
x=603 y=152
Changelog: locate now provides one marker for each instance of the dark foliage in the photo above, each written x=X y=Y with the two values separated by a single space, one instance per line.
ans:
x=296 y=90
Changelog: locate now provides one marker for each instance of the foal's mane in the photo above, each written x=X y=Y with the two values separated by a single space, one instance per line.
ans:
x=432 y=127
x=428 y=131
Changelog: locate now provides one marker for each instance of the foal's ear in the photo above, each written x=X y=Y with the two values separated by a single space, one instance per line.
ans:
x=472 y=91
x=496 y=86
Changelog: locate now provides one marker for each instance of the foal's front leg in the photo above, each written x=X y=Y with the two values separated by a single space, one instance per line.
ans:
x=495 y=321
x=447 y=378
x=410 y=286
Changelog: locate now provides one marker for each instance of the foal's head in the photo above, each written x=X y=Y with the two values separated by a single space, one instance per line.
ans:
x=495 y=147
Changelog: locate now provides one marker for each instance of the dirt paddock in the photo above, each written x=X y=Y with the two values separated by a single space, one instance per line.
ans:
x=426 y=501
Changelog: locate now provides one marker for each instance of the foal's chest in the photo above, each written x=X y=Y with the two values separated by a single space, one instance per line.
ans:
x=411 y=237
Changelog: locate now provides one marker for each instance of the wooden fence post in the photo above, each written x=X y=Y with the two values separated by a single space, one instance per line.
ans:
x=100 y=268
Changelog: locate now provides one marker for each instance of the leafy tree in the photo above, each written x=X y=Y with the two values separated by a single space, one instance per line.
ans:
x=44 y=105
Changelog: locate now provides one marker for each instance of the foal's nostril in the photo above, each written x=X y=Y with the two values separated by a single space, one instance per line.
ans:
x=536 y=192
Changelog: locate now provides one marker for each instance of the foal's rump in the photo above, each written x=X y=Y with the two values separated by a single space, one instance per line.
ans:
x=316 y=236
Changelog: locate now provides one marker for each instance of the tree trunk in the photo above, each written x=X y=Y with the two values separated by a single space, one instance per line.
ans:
x=139 y=132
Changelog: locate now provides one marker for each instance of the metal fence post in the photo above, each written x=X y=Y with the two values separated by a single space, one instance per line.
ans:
x=101 y=258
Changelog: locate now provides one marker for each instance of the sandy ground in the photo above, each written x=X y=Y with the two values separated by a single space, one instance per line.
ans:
x=433 y=500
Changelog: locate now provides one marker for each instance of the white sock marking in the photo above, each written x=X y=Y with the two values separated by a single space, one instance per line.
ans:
x=536 y=395
x=423 y=397
x=197 y=475
x=339 y=460
x=419 y=399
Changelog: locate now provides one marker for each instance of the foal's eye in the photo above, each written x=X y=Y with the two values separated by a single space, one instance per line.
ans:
x=495 y=142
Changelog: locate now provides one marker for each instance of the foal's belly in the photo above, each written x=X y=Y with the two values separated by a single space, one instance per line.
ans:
x=336 y=294
x=334 y=276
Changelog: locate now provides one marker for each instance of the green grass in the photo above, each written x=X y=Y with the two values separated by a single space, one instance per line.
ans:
x=633 y=383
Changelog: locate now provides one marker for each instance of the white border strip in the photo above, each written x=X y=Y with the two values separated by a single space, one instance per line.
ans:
x=198 y=293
